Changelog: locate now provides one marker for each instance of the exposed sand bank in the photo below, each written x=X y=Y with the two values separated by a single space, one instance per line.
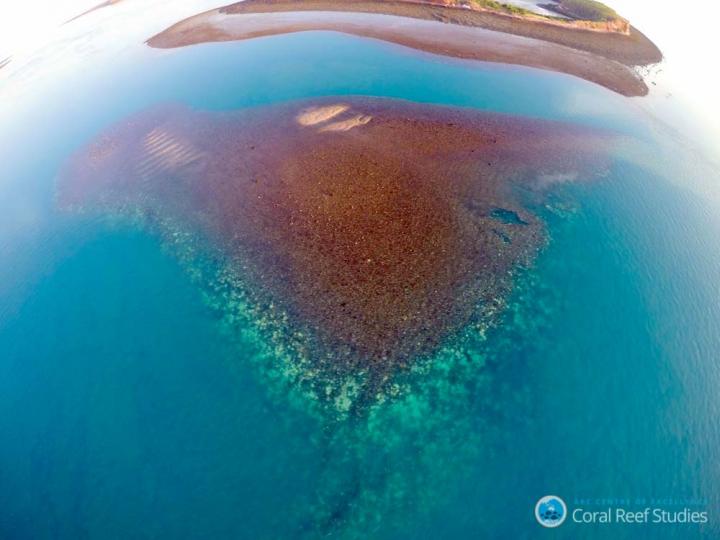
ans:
x=430 y=36
x=631 y=49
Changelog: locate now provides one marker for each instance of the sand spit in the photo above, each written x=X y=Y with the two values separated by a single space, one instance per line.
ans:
x=631 y=49
x=430 y=36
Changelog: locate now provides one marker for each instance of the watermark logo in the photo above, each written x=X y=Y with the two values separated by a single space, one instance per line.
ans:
x=550 y=511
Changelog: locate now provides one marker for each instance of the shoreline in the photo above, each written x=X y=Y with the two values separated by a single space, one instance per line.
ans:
x=632 y=49
x=452 y=40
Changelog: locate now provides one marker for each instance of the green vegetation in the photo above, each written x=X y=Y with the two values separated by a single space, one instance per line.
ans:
x=500 y=6
x=588 y=10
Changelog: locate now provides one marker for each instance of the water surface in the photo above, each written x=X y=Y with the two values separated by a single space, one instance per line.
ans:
x=130 y=408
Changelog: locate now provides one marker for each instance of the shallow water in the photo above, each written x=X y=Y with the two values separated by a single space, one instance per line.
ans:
x=130 y=408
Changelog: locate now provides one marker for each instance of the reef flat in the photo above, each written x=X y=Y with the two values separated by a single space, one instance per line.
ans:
x=362 y=232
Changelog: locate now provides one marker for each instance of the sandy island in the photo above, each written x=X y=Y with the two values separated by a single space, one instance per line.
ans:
x=605 y=58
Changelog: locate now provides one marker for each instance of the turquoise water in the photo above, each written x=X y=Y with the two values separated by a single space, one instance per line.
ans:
x=129 y=409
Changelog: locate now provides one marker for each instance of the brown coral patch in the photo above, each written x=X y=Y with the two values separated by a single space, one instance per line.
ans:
x=377 y=227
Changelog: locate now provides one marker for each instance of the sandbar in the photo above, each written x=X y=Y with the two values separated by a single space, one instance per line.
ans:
x=453 y=40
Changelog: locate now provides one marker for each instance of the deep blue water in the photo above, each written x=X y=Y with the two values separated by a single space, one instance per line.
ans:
x=127 y=412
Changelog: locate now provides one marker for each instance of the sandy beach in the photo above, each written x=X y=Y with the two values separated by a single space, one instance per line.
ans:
x=455 y=40
x=631 y=49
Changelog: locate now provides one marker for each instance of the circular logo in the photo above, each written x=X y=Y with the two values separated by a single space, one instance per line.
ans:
x=550 y=511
